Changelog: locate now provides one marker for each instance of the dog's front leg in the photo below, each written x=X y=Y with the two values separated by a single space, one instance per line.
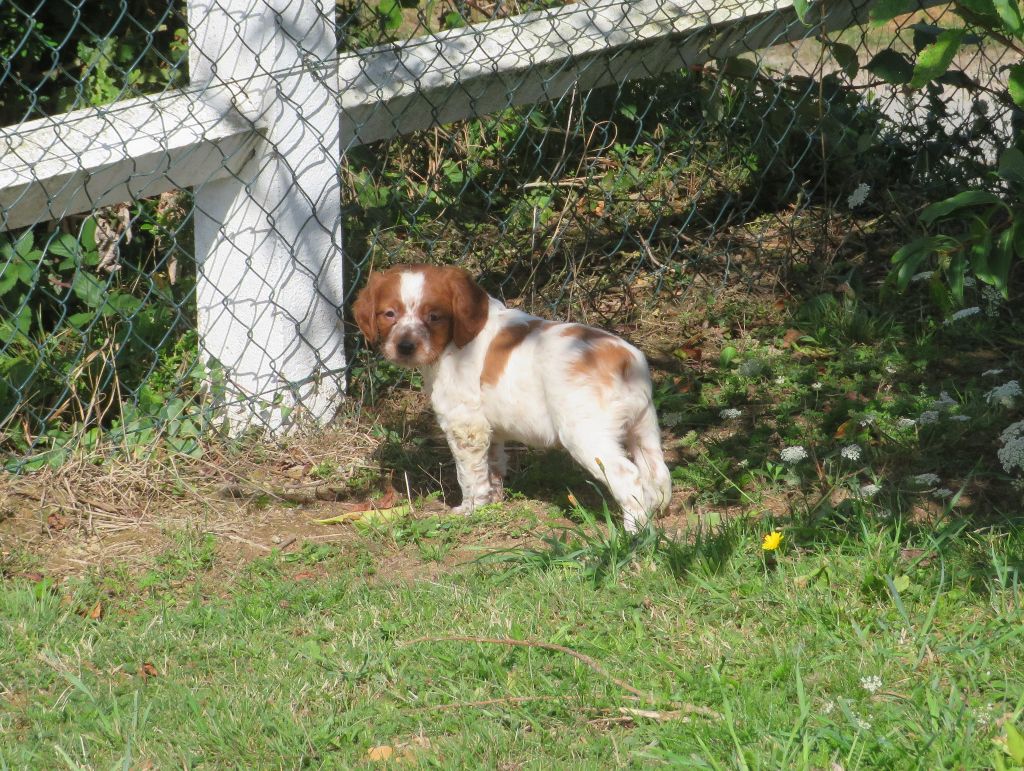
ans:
x=470 y=444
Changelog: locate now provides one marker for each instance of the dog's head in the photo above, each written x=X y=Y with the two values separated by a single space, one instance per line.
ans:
x=414 y=311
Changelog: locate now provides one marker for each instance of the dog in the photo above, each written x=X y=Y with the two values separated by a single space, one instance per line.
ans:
x=495 y=374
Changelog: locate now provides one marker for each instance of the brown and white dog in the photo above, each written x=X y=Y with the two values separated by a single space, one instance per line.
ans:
x=496 y=374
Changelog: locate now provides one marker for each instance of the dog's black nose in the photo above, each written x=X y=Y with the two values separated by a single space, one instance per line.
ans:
x=406 y=347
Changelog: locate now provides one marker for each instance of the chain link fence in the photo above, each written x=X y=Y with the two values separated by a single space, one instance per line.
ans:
x=582 y=160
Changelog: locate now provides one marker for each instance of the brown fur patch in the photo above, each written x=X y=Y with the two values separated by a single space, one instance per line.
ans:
x=601 y=356
x=454 y=307
x=501 y=347
x=380 y=294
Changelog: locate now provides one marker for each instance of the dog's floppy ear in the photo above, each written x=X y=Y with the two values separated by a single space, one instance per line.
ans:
x=365 y=309
x=469 y=306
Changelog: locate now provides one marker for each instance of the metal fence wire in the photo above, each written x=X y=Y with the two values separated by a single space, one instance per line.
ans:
x=579 y=159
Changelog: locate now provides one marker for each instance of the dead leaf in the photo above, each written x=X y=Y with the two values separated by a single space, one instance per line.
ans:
x=147 y=670
x=56 y=521
x=685 y=352
x=381 y=753
x=791 y=337
x=95 y=612
x=304 y=575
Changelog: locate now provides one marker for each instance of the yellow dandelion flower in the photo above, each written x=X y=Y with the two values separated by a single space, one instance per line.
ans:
x=771 y=541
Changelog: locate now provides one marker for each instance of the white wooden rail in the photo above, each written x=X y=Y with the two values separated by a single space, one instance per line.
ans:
x=260 y=132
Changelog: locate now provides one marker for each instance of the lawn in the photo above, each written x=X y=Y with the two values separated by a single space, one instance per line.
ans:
x=193 y=613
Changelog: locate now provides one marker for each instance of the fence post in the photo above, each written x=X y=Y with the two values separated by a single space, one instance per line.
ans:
x=268 y=238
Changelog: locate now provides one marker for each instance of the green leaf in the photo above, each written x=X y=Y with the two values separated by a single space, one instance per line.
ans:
x=935 y=59
x=958 y=201
x=886 y=10
x=1011 y=165
x=89 y=289
x=891 y=66
x=1014 y=744
x=391 y=14
x=846 y=57
x=1009 y=14
x=1016 y=84
x=801 y=8
x=901 y=583
x=65 y=246
x=910 y=256
x=727 y=355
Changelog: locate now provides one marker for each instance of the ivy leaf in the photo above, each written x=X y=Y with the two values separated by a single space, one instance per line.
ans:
x=892 y=67
x=935 y=59
x=886 y=10
x=801 y=7
x=846 y=57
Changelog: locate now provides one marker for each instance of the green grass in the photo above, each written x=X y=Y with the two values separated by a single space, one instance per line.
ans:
x=273 y=669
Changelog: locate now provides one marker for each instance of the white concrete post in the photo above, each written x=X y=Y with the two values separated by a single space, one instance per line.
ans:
x=268 y=238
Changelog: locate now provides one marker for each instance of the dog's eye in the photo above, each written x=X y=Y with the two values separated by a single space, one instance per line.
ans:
x=388 y=314
x=433 y=317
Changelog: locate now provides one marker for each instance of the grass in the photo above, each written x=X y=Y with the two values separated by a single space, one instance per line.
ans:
x=750 y=659
x=886 y=631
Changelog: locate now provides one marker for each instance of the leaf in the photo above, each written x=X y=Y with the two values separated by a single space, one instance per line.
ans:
x=886 y=10
x=846 y=57
x=901 y=583
x=1014 y=744
x=379 y=754
x=935 y=59
x=801 y=8
x=1016 y=84
x=909 y=256
x=1009 y=14
x=1011 y=165
x=727 y=355
x=367 y=516
x=147 y=670
x=956 y=202
x=891 y=66
x=391 y=14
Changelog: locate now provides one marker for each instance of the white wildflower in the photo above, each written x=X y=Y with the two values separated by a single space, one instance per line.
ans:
x=851 y=452
x=745 y=463
x=942 y=492
x=780 y=380
x=750 y=368
x=816 y=386
x=670 y=419
x=922 y=276
x=964 y=313
x=1004 y=394
x=730 y=413
x=869 y=489
x=871 y=683
x=991 y=372
x=925 y=480
x=863 y=724
x=905 y=423
x=928 y=417
x=867 y=419
x=891 y=369
x=793 y=454
x=993 y=300
x=945 y=401
x=858 y=196
x=1011 y=455
x=827 y=707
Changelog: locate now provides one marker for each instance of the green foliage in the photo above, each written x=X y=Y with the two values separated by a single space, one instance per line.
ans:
x=978 y=231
